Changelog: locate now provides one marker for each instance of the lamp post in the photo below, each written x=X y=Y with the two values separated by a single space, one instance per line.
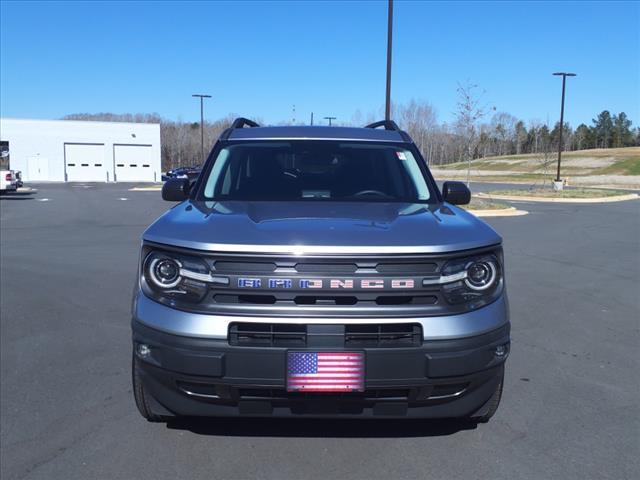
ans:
x=558 y=184
x=202 y=97
x=329 y=118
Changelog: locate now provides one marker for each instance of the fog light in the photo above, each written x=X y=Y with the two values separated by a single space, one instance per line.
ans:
x=143 y=350
x=502 y=350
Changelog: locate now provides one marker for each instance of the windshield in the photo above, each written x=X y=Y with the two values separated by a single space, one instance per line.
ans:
x=316 y=170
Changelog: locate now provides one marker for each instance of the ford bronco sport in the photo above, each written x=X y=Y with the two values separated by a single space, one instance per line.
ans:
x=319 y=271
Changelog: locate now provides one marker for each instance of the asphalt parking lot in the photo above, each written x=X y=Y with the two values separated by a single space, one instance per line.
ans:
x=570 y=408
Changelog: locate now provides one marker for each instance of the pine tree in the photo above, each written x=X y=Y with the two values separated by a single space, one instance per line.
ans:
x=584 y=137
x=521 y=137
x=622 y=134
x=603 y=126
x=566 y=136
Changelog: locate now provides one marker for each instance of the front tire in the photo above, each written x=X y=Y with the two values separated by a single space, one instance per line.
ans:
x=140 y=394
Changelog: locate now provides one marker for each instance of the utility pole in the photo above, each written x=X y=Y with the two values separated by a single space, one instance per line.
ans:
x=329 y=118
x=202 y=97
x=564 y=81
x=312 y=119
x=387 y=109
x=293 y=112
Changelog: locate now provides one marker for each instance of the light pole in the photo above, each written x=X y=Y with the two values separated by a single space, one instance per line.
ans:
x=387 y=108
x=202 y=97
x=564 y=81
x=329 y=118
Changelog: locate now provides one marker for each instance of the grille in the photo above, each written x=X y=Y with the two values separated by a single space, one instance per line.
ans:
x=354 y=336
x=319 y=300
x=225 y=392
x=257 y=297
x=324 y=286
x=267 y=335
x=369 y=394
x=381 y=336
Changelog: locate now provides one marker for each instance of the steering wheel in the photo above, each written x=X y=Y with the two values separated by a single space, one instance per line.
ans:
x=292 y=172
x=371 y=192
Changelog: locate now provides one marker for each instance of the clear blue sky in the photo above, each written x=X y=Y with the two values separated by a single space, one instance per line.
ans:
x=260 y=58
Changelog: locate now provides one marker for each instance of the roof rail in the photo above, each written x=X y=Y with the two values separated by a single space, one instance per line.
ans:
x=239 y=122
x=387 y=124
x=391 y=125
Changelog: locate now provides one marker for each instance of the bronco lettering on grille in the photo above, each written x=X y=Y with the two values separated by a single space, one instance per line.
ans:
x=333 y=283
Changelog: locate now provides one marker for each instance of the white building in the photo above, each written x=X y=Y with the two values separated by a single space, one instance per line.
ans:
x=78 y=151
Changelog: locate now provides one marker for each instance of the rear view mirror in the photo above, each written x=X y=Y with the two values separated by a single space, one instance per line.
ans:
x=456 y=193
x=176 y=189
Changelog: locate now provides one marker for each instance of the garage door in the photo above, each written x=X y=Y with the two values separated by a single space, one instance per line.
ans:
x=85 y=162
x=133 y=163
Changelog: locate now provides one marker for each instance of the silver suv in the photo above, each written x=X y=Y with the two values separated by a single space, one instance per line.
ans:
x=319 y=271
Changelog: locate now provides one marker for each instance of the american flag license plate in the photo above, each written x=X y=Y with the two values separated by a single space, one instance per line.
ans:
x=325 y=371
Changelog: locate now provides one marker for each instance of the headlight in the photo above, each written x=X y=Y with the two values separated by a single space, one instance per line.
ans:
x=164 y=272
x=475 y=280
x=174 y=278
x=481 y=275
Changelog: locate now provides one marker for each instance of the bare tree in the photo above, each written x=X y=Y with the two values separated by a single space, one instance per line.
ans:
x=504 y=126
x=418 y=118
x=470 y=110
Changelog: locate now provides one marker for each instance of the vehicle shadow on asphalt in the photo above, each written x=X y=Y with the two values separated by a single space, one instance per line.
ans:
x=318 y=427
x=17 y=196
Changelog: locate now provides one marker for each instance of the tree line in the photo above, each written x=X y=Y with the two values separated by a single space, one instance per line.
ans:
x=478 y=131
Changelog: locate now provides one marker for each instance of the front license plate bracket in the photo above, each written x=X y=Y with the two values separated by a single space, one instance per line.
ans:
x=325 y=372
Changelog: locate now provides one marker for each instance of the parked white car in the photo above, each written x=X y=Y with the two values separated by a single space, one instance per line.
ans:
x=8 y=181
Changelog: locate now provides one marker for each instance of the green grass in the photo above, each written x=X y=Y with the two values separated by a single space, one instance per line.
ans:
x=624 y=161
x=567 y=193
x=483 y=165
x=626 y=166
x=527 y=178
x=481 y=204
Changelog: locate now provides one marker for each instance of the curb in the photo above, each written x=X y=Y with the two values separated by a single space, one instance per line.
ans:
x=502 y=212
x=617 y=198
x=629 y=188
x=516 y=181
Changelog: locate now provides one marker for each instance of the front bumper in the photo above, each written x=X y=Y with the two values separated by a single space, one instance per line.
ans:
x=199 y=376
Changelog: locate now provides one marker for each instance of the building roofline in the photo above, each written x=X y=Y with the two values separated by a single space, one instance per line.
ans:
x=48 y=120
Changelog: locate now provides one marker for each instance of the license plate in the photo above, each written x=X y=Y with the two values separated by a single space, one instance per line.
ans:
x=325 y=371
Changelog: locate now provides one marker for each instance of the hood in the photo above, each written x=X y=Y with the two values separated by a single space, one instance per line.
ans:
x=323 y=227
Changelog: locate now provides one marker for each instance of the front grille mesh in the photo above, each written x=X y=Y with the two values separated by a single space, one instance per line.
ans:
x=380 y=336
x=267 y=335
x=296 y=336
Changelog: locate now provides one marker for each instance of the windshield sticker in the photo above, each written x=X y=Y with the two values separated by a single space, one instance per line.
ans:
x=401 y=155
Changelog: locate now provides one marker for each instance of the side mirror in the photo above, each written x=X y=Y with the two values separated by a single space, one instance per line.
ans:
x=456 y=193
x=176 y=189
